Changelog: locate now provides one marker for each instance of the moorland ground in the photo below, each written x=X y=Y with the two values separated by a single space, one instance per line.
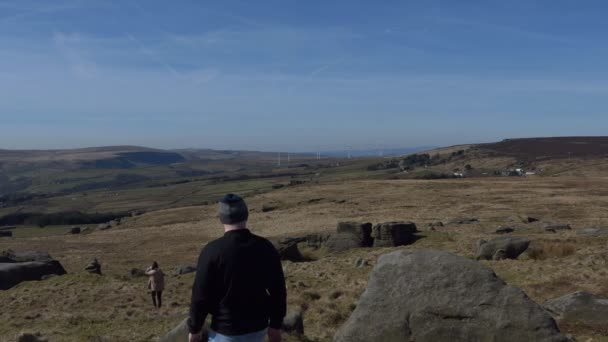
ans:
x=115 y=307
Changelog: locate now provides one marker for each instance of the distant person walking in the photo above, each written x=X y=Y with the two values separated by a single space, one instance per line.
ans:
x=156 y=284
x=239 y=281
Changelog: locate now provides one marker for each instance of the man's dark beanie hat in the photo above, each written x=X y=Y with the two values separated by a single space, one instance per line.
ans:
x=233 y=209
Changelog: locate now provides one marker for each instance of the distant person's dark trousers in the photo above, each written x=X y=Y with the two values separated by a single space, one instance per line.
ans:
x=157 y=298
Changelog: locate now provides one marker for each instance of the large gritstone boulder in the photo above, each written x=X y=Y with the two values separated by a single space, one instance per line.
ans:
x=316 y=241
x=341 y=242
x=363 y=231
x=506 y=247
x=180 y=333
x=185 y=270
x=437 y=296
x=12 y=256
x=580 y=307
x=288 y=249
x=12 y=274
x=391 y=234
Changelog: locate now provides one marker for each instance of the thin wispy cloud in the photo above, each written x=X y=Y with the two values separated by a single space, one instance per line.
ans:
x=152 y=54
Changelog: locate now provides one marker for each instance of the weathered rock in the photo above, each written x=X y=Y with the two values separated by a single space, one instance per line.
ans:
x=579 y=307
x=12 y=274
x=511 y=246
x=593 y=232
x=341 y=242
x=556 y=226
x=363 y=231
x=6 y=233
x=391 y=234
x=360 y=263
x=317 y=240
x=114 y=223
x=436 y=224
x=470 y=220
x=437 y=296
x=504 y=230
x=87 y=230
x=530 y=219
x=288 y=251
x=293 y=323
x=268 y=207
x=48 y=276
x=104 y=226
x=93 y=267
x=289 y=240
x=180 y=333
x=500 y=254
x=185 y=270
x=31 y=337
x=12 y=256
x=74 y=230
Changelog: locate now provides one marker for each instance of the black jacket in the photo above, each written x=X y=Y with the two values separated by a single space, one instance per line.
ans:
x=240 y=282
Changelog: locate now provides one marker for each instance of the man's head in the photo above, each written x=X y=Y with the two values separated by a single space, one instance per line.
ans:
x=233 y=211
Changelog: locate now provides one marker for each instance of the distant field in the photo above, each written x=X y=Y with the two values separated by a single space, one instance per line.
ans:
x=34 y=231
x=551 y=148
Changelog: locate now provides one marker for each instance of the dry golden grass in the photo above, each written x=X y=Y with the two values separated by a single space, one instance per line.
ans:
x=79 y=306
x=554 y=249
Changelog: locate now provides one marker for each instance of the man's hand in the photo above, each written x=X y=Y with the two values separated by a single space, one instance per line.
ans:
x=196 y=337
x=274 y=335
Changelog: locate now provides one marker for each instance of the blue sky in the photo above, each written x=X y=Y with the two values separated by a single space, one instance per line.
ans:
x=299 y=75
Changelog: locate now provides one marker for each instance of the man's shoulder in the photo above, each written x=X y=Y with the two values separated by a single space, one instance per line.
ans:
x=214 y=245
x=265 y=243
x=261 y=239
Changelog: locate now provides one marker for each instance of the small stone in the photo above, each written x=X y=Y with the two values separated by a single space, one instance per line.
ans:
x=293 y=323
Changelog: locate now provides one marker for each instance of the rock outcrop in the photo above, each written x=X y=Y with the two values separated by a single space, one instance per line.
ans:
x=185 y=270
x=288 y=249
x=392 y=234
x=504 y=230
x=12 y=256
x=363 y=232
x=438 y=296
x=12 y=274
x=504 y=247
x=317 y=240
x=341 y=242
x=579 y=307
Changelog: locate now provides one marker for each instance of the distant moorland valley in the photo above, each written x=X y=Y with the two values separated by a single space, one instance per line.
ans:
x=133 y=205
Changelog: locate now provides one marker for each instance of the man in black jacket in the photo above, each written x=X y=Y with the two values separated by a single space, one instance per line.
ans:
x=239 y=281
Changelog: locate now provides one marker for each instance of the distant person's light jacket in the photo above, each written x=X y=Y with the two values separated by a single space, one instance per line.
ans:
x=156 y=279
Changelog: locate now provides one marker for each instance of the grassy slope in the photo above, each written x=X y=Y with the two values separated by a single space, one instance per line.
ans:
x=79 y=306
